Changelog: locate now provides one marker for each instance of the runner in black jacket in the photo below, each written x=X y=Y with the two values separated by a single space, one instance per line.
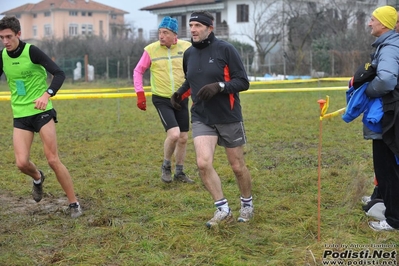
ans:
x=216 y=75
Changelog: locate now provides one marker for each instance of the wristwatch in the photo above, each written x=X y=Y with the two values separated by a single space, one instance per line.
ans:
x=51 y=92
x=222 y=85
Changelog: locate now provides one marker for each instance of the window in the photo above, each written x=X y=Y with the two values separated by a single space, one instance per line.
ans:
x=242 y=13
x=89 y=14
x=183 y=30
x=89 y=29
x=47 y=30
x=86 y=29
x=34 y=31
x=73 y=29
x=47 y=13
x=35 y=15
x=114 y=32
x=218 y=18
x=83 y=13
x=113 y=16
x=18 y=16
x=73 y=13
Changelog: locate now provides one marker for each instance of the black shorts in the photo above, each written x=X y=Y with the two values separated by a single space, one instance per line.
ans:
x=171 y=117
x=34 y=123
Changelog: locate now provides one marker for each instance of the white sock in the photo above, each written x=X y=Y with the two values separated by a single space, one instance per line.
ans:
x=246 y=201
x=223 y=205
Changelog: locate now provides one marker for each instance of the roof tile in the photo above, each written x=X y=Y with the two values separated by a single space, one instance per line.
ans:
x=87 y=5
x=177 y=3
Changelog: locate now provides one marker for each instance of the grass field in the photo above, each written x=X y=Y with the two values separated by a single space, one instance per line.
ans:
x=114 y=153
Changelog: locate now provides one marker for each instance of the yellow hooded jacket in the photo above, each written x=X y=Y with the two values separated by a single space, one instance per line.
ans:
x=166 y=67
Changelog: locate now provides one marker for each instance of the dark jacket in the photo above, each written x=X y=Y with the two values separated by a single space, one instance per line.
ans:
x=211 y=61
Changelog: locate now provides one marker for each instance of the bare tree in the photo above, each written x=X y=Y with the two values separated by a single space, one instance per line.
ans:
x=265 y=27
x=351 y=39
x=336 y=28
x=304 y=24
x=48 y=45
x=120 y=55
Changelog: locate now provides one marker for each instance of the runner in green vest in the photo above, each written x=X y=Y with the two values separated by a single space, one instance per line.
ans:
x=26 y=67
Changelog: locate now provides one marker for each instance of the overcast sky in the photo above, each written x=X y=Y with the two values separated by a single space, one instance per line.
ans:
x=140 y=19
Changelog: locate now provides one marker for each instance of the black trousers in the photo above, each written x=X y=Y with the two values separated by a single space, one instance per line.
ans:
x=387 y=172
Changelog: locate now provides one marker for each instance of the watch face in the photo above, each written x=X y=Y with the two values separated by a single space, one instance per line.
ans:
x=50 y=91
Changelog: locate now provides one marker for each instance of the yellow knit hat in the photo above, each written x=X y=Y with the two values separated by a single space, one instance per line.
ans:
x=387 y=15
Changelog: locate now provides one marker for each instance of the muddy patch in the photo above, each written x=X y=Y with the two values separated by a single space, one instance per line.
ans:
x=10 y=204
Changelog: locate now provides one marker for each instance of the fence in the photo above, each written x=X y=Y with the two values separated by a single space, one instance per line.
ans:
x=104 y=68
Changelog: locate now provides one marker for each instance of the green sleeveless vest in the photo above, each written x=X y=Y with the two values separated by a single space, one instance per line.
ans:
x=27 y=82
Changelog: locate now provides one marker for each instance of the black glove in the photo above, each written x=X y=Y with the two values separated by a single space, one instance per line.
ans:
x=365 y=73
x=208 y=91
x=175 y=100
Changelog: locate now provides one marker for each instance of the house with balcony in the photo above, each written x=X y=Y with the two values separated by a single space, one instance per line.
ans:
x=231 y=16
x=234 y=20
x=267 y=25
x=69 y=18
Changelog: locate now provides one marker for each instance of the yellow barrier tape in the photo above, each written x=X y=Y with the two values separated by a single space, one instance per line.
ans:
x=265 y=82
x=87 y=96
x=100 y=90
x=335 y=113
x=96 y=93
x=68 y=96
x=74 y=91
x=295 y=89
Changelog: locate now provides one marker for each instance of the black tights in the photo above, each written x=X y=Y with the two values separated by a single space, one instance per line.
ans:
x=387 y=172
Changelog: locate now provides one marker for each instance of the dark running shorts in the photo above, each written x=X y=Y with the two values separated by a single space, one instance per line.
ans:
x=229 y=135
x=34 y=123
x=171 y=117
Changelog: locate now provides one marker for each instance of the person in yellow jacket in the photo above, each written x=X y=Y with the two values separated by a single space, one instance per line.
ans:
x=164 y=58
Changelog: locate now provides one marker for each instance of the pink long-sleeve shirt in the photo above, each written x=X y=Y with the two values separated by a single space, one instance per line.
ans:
x=139 y=70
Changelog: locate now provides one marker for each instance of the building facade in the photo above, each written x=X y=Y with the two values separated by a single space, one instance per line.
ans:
x=236 y=12
x=61 y=19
